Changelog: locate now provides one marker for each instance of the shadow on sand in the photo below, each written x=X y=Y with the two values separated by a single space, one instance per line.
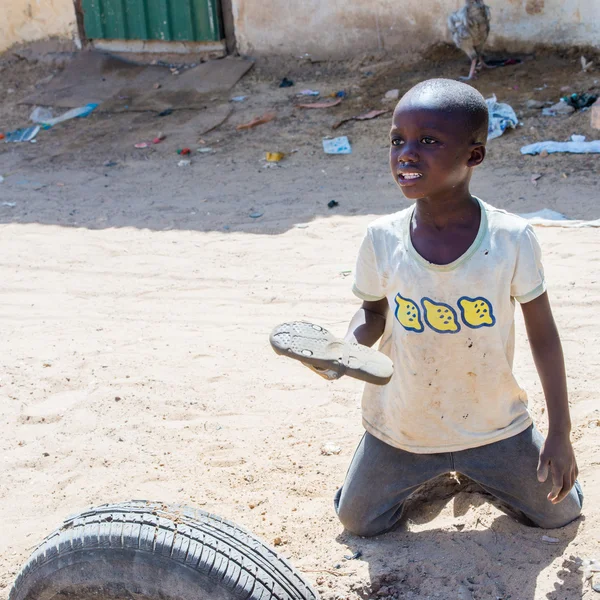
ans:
x=492 y=556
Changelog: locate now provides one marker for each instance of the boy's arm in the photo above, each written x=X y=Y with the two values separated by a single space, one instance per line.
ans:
x=368 y=323
x=557 y=454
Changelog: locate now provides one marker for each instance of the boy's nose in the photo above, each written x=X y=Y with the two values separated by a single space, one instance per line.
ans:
x=408 y=157
x=408 y=154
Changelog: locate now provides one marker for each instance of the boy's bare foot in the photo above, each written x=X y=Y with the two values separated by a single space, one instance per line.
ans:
x=329 y=356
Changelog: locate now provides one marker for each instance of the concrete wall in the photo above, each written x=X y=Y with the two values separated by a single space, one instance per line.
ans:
x=339 y=28
x=344 y=27
x=30 y=20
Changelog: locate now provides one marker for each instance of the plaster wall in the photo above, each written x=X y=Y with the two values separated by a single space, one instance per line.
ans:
x=31 y=20
x=334 y=28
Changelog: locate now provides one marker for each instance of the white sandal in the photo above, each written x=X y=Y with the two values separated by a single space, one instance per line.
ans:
x=329 y=356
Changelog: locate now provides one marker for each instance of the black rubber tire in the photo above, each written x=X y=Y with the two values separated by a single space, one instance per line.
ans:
x=142 y=550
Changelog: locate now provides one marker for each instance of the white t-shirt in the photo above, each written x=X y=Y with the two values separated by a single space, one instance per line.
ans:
x=450 y=333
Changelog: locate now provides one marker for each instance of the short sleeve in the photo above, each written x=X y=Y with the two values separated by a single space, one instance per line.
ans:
x=528 y=278
x=369 y=284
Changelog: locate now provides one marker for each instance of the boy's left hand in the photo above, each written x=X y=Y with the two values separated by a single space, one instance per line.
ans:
x=558 y=459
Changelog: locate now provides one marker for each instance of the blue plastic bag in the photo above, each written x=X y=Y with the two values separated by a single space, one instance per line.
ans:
x=502 y=116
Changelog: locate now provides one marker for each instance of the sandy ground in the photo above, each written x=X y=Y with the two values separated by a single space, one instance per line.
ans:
x=137 y=301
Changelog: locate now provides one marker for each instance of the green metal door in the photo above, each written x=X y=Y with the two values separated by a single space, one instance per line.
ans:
x=166 y=20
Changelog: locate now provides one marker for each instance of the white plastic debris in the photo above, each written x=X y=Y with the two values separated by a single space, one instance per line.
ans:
x=550 y=218
x=82 y=111
x=392 y=95
x=550 y=540
x=589 y=567
x=575 y=146
x=329 y=448
x=502 y=116
x=338 y=145
x=184 y=162
x=560 y=108
x=40 y=114
x=546 y=214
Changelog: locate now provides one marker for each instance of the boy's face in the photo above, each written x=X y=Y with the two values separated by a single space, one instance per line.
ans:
x=431 y=153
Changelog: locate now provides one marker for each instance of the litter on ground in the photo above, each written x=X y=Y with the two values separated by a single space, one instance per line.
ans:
x=547 y=217
x=26 y=134
x=338 y=145
x=577 y=145
x=502 y=116
x=257 y=121
x=329 y=449
x=560 y=108
x=535 y=177
x=44 y=116
x=326 y=104
x=40 y=114
x=585 y=64
x=550 y=540
x=372 y=114
x=579 y=101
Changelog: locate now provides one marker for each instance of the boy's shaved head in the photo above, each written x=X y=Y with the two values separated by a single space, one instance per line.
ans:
x=458 y=100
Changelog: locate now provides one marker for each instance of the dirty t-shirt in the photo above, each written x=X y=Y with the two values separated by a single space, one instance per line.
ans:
x=450 y=333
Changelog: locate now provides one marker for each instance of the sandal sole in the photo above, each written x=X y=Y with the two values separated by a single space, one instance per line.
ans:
x=314 y=345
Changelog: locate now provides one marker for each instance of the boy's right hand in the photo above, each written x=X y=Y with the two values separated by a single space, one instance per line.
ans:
x=328 y=374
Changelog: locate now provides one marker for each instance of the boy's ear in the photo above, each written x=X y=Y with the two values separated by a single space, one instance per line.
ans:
x=477 y=155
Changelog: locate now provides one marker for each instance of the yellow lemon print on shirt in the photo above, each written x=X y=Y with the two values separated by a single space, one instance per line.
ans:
x=408 y=314
x=440 y=317
x=476 y=312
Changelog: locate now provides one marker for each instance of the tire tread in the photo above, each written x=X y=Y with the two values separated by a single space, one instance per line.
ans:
x=204 y=542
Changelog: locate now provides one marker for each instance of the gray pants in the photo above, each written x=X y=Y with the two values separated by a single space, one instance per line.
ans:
x=381 y=478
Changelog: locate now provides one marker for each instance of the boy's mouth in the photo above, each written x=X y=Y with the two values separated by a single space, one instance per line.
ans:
x=409 y=178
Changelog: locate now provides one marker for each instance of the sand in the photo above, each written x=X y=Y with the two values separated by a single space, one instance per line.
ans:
x=136 y=306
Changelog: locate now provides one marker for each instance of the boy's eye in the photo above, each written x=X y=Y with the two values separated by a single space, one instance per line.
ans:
x=397 y=142
x=428 y=140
